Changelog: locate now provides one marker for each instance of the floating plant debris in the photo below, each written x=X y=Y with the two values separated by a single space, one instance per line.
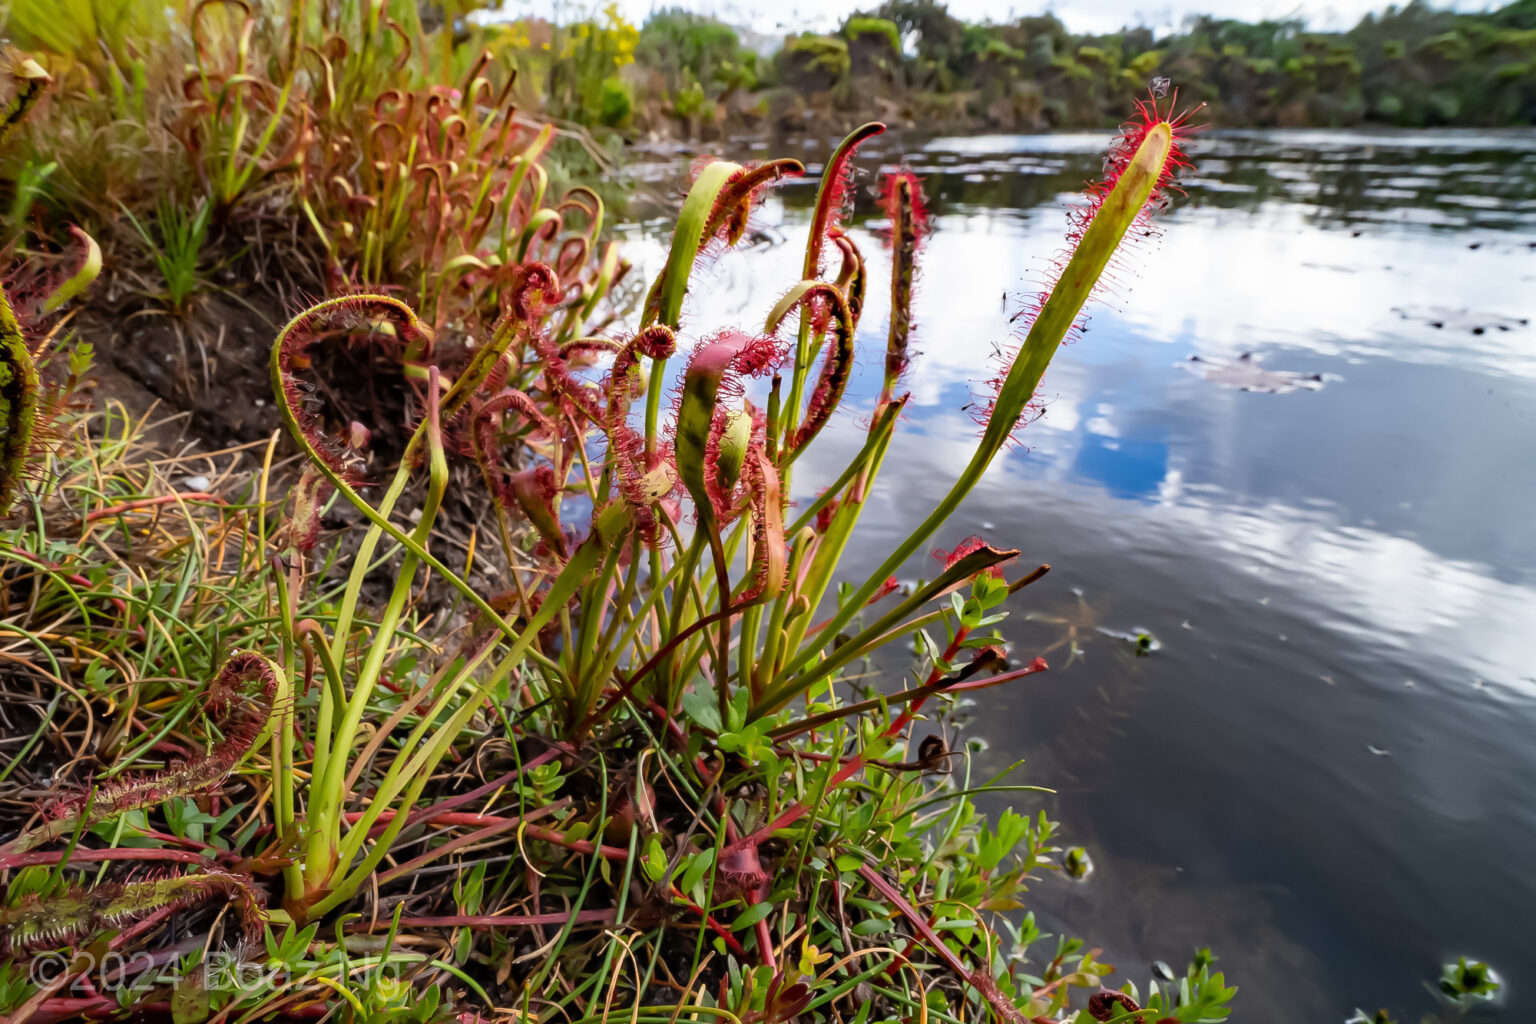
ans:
x=1141 y=639
x=1077 y=864
x=1080 y=621
x=1444 y=318
x=1245 y=374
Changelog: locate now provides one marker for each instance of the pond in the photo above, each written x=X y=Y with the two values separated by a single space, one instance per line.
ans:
x=1296 y=447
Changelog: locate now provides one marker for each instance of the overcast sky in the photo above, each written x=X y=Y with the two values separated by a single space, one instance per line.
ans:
x=780 y=16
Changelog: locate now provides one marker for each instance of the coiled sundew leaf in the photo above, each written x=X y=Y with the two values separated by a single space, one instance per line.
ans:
x=837 y=363
x=664 y=304
x=715 y=368
x=240 y=700
x=739 y=197
x=830 y=194
x=720 y=199
x=20 y=398
x=853 y=277
x=72 y=917
x=534 y=490
x=291 y=353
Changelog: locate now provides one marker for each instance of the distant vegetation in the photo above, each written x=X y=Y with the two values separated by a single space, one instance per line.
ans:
x=912 y=62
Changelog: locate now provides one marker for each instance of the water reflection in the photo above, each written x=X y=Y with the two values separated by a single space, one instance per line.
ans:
x=1325 y=772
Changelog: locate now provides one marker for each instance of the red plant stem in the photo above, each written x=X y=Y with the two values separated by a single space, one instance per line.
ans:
x=29 y=1009
x=965 y=685
x=579 y=845
x=979 y=980
x=448 y=818
x=458 y=843
x=905 y=956
x=800 y=808
x=606 y=917
x=81 y=1009
x=22 y=860
x=441 y=810
x=719 y=929
x=149 y=961
x=140 y=927
x=80 y=581
x=182 y=841
x=765 y=943
x=905 y=718
x=428 y=813
x=164 y=499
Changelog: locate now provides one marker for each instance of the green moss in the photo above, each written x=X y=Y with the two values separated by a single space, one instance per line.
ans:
x=859 y=27
x=1144 y=64
x=824 y=53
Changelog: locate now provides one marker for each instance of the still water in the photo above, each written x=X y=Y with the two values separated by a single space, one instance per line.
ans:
x=1298 y=447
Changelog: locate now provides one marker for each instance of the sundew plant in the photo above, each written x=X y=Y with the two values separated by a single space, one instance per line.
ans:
x=617 y=762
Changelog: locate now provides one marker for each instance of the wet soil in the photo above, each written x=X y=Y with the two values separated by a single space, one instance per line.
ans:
x=210 y=363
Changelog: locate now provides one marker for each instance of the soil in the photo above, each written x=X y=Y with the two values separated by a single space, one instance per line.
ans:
x=210 y=363
x=204 y=375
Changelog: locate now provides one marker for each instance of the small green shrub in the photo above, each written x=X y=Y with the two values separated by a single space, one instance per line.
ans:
x=690 y=101
x=616 y=104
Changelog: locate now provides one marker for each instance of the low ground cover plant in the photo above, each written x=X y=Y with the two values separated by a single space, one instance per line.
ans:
x=605 y=755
